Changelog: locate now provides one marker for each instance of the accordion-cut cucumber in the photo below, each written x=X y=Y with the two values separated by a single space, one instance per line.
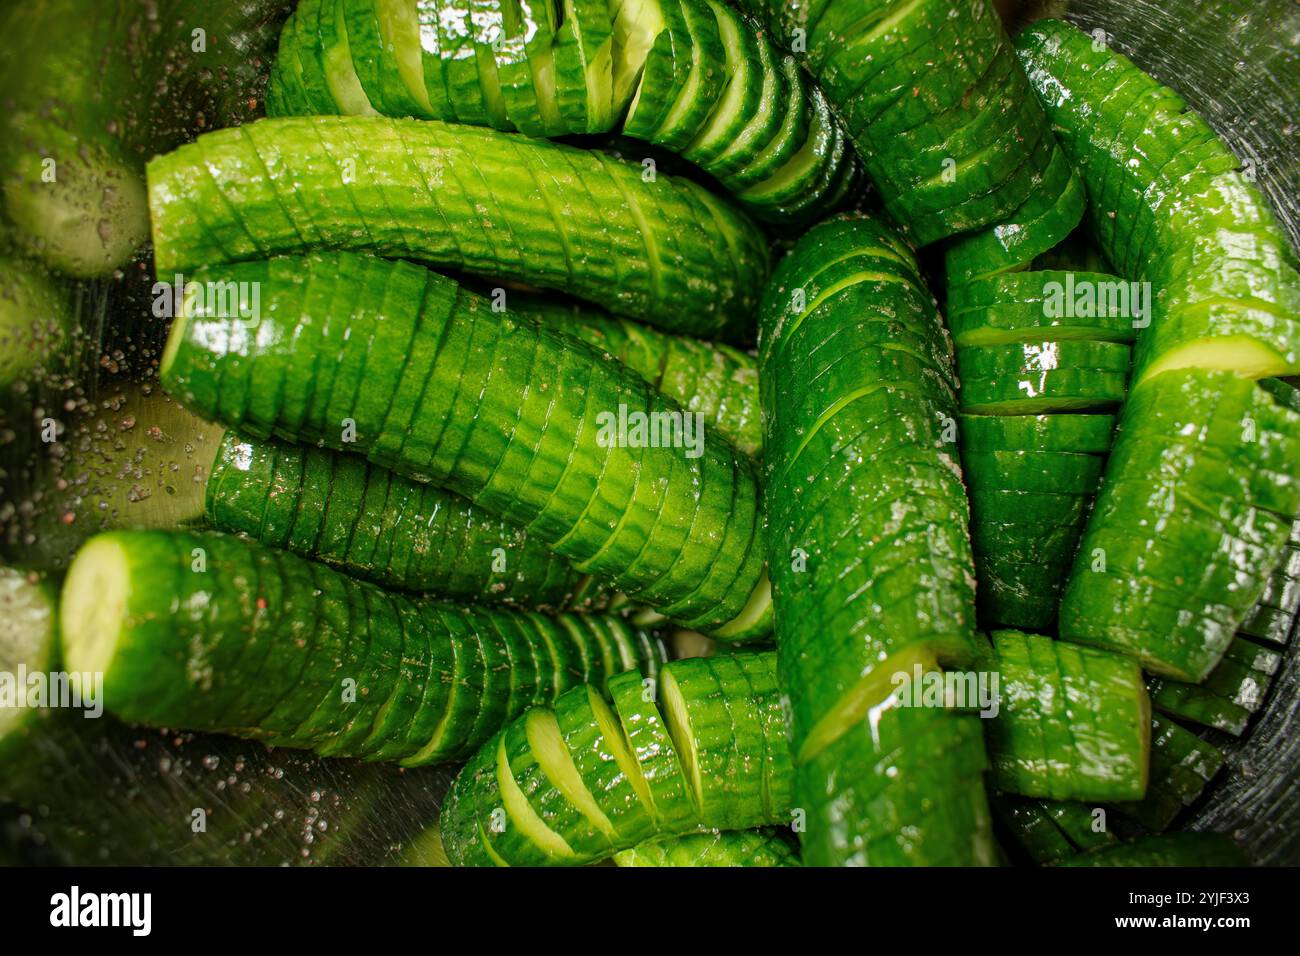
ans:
x=1275 y=613
x=521 y=420
x=1028 y=508
x=375 y=525
x=1042 y=221
x=1051 y=831
x=1206 y=470
x=1182 y=765
x=657 y=249
x=585 y=789
x=716 y=848
x=1167 y=849
x=1074 y=724
x=1172 y=207
x=869 y=553
x=716 y=380
x=1045 y=305
x=926 y=73
x=1225 y=700
x=1078 y=434
x=214 y=632
x=692 y=76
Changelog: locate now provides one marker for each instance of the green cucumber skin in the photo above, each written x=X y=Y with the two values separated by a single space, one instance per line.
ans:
x=712 y=378
x=824 y=490
x=1055 y=697
x=206 y=672
x=463 y=101
x=1145 y=528
x=732 y=848
x=1182 y=765
x=884 y=93
x=394 y=532
x=662 y=251
x=476 y=793
x=1169 y=849
x=1234 y=690
x=1172 y=203
x=493 y=409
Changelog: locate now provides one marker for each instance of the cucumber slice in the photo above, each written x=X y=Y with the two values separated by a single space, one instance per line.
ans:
x=704 y=85
x=573 y=784
x=1234 y=690
x=1168 y=443
x=744 y=85
x=636 y=26
x=1030 y=358
x=1083 y=434
x=1060 y=390
x=664 y=70
x=1097 y=699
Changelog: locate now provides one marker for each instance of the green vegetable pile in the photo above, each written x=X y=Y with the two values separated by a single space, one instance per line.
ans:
x=937 y=379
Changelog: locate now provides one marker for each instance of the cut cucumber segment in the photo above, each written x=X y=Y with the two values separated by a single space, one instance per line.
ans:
x=270 y=646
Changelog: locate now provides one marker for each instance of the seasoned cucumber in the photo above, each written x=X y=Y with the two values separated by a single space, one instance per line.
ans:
x=692 y=76
x=520 y=419
x=1182 y=764
x=99 y=792
x=375 y=525
x=1206 y=470
x=1075 y=724
x=869 y=553
x=1167 y=849
x=558 y=788
x=1043 y=305
x=214 y=632
x=661 y=250
x=715 y=848
x=1172 y=207
x=716 y=380
x=929 y=93
x=1051 y=831
x=1042 y=221
x=1080 y=434
x=1234 y=690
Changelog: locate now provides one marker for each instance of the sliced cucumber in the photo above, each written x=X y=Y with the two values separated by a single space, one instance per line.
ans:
x=341 y=667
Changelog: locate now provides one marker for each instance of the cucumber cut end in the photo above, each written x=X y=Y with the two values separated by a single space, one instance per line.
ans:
x=873 y=691
x=754 y=619
x=636 y=24
x=1248 y=357
x=26 y=635
x=551 y=753
x=616 y=740
x=521 y=812
x=93 y=605
x=678 y=719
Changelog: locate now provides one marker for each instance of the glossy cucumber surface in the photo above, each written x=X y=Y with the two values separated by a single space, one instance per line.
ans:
x=868 y=548
x=389 y=360
x=205 y=631
x=658 y=249
x=692 y=76
x=371 y=523
x=701 y=748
